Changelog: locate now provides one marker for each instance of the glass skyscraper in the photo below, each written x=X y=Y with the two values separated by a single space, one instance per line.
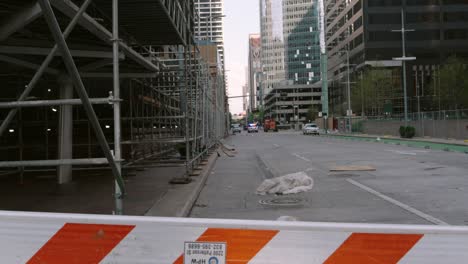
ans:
x=290 y=43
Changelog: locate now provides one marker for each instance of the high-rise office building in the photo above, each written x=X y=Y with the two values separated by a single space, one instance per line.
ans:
x=210 y=23
x=363 y=29
x=245 y=99
x=255 y=70
x=290 y=56
x=246 y=92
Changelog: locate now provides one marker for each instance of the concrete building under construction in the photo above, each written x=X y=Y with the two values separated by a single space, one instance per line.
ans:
x=90 y=84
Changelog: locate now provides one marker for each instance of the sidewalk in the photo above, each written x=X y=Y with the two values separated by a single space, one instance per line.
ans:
x=178 y=200
x=92 y=191
x=425 y=139
x=430 y=143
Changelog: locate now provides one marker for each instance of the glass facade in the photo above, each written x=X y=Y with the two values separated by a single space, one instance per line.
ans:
x=255 y=69
x=290 y=42
x=364 y=28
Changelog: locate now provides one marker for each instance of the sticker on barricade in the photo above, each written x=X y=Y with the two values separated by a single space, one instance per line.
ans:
x=205 y=253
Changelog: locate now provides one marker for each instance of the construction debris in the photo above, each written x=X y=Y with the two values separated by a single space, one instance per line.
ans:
x=287 y=184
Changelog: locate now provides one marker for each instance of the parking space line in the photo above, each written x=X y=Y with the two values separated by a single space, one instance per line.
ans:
x=400 y=152
x=299 y=156
x=399 y=204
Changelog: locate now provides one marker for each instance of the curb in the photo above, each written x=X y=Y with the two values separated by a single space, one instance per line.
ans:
x=187 y=208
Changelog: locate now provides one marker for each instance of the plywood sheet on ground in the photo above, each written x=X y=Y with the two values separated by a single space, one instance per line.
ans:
x=352 y=168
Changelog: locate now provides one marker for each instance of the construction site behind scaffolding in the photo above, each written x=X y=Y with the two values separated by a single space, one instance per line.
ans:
x=101 y=87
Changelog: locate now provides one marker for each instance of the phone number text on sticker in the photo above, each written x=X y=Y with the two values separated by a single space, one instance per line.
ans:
x=204 y=253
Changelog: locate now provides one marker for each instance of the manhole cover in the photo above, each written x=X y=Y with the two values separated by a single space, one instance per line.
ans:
x=282 y=201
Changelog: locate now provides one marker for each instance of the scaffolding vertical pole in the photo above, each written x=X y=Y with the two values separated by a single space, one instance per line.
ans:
x=207 y=108
x=194 y=85
x=208 y=103
x=89 y=140
x=46 y=132
x=184 y=106
x=65 y=132
x=131 y=101
x=116 y=93
x=79 y=86
x=215 y=117
x=220 y=112
x=152 y=120
x=203 y=107
x=21 y=143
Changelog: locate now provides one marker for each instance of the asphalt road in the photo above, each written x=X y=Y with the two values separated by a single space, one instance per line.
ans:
x=409 y=185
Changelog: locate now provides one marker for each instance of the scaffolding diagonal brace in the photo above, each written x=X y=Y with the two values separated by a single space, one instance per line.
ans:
x=69 y=9
x=79 y=87
x=45 y=64
x=20 y=20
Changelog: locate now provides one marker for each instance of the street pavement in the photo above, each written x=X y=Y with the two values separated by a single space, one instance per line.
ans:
x=409 y=186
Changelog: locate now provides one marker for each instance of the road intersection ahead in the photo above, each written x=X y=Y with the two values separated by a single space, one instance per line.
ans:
x=409 y=186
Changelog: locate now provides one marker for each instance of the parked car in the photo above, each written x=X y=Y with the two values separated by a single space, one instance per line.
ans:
x=310 y=129
x=236 y=128
x=252 y=128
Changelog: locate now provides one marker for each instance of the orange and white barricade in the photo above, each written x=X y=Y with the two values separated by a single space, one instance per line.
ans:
x=71 y=238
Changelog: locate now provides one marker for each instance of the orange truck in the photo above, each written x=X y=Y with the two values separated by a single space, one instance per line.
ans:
x=270 y=124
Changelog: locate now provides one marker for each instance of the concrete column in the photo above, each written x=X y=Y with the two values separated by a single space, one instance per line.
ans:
x=65 y=131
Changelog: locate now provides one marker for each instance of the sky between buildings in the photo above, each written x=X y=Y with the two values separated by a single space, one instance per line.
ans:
x=242 y=18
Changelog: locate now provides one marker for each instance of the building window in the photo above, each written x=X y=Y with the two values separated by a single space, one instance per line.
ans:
x=427 y=17
x=422 y=2
x=456 y=17
x=452 y=34
x=382 y=3
x=383 y=19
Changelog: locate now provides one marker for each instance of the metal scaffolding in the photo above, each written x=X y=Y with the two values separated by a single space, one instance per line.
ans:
x=111 y=94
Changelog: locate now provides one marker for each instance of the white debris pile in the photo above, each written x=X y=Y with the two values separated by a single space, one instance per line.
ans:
x=287 y=184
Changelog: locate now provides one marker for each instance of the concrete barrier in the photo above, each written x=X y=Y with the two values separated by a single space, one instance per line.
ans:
x=456 y=129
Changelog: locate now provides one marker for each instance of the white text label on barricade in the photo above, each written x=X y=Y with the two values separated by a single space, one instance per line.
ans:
x=204 y=253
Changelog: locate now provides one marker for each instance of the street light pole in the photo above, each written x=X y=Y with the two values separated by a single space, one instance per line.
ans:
x=348 y=84
x=362 y=95
x=403 y=41
x=403 y=59
x=348 y=87
x=349 y=113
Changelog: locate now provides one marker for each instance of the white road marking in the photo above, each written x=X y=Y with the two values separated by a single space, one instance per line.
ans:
x=299 y=156
x=399 y=204
x=276 y=145
x=421 y=151
x=401 y=152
